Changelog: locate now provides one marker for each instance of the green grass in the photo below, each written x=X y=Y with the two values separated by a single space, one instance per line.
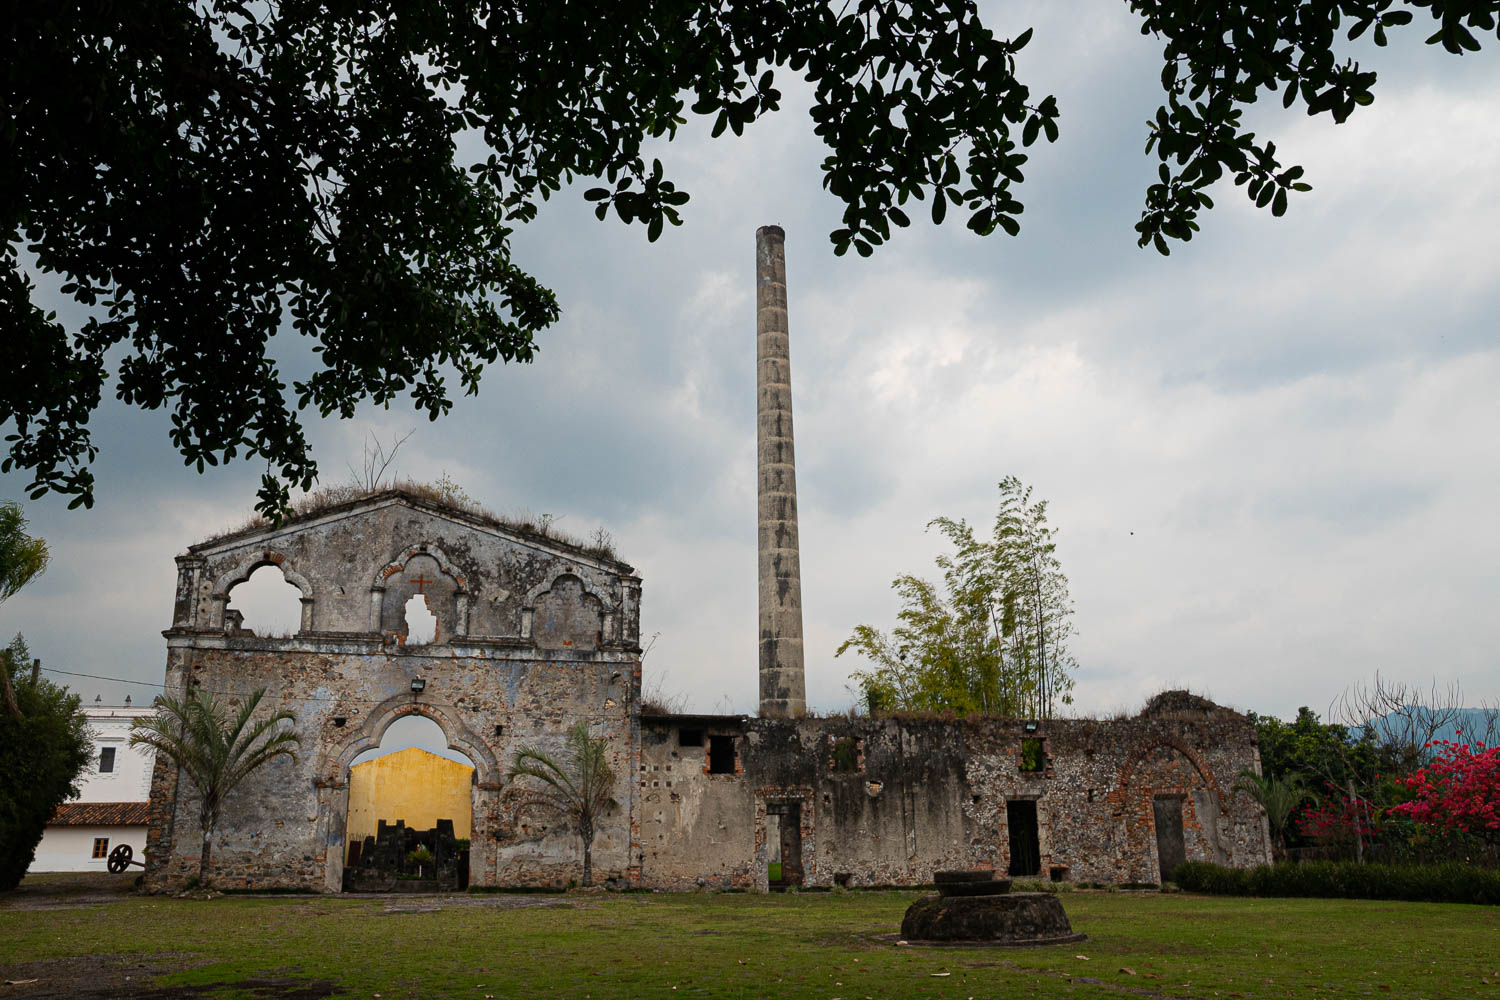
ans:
x=783 y=945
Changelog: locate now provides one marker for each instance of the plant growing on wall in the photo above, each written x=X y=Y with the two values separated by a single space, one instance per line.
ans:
x=578 y=783
x=993 y=638
x=215 y=747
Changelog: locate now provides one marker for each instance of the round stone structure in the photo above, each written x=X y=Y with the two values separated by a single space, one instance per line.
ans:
x=976 y=908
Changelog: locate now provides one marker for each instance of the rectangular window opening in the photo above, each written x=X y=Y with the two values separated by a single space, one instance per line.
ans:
x=845 y=755
x=106 y=760
x=1033 y=757
x=721 y=755
x=689 y=737
x=101 y=847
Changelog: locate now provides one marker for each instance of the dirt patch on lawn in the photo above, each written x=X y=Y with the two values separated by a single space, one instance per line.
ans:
x=60 y=890
x=102 y=977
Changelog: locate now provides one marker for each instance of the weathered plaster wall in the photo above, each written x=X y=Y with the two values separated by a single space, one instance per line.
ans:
x=348 y=673
x=928 y=795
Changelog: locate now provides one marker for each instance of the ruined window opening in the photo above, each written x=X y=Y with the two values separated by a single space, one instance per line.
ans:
x=783 y=845
x=421 y=623
x=101 y=847
x=721 y=755
x=846 y=755
x=1033 y=757
x=265 y=603
x=689 y=737
x=106 y=760
x=1025 y=838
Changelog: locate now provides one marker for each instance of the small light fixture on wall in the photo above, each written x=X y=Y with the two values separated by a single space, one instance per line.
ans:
x=418 y=684
x=1030 y=727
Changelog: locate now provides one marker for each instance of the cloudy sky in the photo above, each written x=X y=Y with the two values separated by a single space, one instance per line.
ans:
x=1273 y=457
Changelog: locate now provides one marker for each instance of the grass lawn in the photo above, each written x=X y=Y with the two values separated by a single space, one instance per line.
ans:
x=811 y=945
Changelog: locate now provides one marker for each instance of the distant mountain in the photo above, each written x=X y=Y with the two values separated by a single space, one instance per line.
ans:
x=1477 y=724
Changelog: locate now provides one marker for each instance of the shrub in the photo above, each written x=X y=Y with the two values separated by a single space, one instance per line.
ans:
x=1444 y=883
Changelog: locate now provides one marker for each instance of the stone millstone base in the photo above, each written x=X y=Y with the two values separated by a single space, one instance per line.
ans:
x=1015 y=919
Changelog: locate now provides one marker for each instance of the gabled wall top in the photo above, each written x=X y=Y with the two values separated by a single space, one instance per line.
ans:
x=359 y=564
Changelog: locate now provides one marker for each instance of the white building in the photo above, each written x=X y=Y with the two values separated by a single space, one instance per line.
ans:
x=112 y=809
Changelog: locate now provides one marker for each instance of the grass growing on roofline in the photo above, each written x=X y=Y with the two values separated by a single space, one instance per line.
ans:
x=745 y=945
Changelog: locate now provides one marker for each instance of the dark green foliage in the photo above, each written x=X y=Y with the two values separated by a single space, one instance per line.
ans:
x=1220 y=58
x=42 y=754
x=1320 y=752
x=1444 y=883
x=1327 y=759
x=202 y=176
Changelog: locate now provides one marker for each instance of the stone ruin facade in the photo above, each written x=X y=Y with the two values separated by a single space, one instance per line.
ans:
x=535 y=635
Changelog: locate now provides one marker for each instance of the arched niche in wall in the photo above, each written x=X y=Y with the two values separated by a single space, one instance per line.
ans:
x=565 y=614
x=423 y=582
x=263 y=605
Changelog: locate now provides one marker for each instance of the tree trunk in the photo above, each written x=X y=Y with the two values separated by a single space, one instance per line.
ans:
x=203 y=858
x=586 y=830
x=1359 y=837
x=8 y=692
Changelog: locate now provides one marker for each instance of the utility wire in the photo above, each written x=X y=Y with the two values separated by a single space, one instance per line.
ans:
x=223 y=691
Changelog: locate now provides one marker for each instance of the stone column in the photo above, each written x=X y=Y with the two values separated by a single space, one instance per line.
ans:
x=782 y=688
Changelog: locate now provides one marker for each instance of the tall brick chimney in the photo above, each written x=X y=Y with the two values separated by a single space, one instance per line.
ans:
x=783 y=691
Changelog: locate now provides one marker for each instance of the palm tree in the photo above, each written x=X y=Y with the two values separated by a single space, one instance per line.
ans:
x=578 y=784
x=215 y=747
x=22 y=559
x=1278 y=797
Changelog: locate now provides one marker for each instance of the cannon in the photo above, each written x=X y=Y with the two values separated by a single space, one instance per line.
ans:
x=121 y=858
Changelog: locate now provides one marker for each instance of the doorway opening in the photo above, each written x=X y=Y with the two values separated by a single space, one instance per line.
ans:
x=783 y=845
x=410 y=812
x=1025 y=838
x=1171 y=851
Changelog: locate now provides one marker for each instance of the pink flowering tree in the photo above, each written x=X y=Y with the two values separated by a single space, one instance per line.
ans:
x=1459 y=790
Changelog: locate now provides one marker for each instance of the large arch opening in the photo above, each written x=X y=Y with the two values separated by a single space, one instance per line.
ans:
x=410 y=812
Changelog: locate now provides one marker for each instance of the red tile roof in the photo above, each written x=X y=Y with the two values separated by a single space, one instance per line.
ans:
x=101 y=814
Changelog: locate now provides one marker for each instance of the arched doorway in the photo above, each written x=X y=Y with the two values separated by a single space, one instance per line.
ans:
x=410 y=812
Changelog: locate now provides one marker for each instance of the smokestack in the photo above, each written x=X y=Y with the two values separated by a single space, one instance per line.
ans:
x=782 y=690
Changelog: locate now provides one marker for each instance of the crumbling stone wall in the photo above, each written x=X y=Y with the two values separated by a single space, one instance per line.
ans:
x=487 y=680
x=534 y=635
x=924 y=795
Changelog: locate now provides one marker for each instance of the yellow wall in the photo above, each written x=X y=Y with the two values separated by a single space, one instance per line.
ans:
x=413 y=785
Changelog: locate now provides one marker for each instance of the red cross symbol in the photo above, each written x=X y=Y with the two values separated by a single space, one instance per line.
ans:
x=421 y=581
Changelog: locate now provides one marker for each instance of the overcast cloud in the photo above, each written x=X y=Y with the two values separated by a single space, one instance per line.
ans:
x=1272 y=456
